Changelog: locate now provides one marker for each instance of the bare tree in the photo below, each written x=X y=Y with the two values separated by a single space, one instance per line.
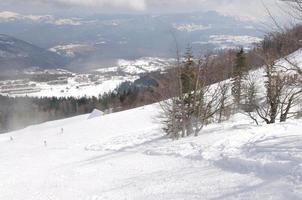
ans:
x=195 y=102
x=268 y=110
x=251 y=101
x=295 y=10
x=291 y=97
x=283 y=92
x=283 y=78
x=224 y=109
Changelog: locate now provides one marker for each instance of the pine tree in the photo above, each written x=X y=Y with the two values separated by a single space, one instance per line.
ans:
x=188 y=72
x=194 y=104
x=188 y=78
x=239 y=75
x=250 y=97
x=179 y=111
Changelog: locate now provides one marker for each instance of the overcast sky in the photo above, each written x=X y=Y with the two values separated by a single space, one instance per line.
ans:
x=244 y=8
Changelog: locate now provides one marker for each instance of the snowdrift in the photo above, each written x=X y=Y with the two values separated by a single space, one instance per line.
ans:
x=95 y=113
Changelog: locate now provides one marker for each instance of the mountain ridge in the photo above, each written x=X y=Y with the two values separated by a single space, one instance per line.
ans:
x=17 y=55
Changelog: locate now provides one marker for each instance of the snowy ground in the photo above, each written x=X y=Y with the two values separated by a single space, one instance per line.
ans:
x=77 y=90
x=231 y=41
x=106 y=79
x=138 y=66
x=125 y=156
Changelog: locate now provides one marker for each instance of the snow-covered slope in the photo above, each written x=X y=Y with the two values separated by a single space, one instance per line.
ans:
x=231 y=41
x=139 y=66
x=71 y=50
x=125 y=156
x=191 y=27
x=7 y=16
x=16 y=54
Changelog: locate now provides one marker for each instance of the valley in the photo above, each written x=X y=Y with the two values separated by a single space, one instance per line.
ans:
x=63 y=83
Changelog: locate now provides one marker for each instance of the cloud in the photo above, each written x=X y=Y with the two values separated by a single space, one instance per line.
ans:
x=136 y=5
x=249 y=9
x=253 y=9
x=129 y=4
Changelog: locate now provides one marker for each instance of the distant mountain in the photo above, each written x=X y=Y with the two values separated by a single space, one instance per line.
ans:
x=16 y=55
x=7 y=16
x=94 y=41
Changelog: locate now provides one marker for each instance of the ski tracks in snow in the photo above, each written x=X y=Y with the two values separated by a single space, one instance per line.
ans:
x=264 y=152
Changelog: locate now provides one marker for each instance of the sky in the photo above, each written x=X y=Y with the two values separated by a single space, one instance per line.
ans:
x=253 y=9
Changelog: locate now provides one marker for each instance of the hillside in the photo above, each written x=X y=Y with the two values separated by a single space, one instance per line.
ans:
x=79 y=158
x=126 y=155
x=150 y=100
x=16 y=54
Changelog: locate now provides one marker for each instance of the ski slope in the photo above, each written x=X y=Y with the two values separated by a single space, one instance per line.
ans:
x=126 y=156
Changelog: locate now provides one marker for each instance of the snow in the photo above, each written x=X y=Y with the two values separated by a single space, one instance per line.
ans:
x=73 y=89
x=138 y=66
x=70 y=50
x=126 y=156
x=191 y=27
x=233 y=38
x=231 y=41
x=61 y=22
x=68 y=85
x=286 y=64
x=95 y=113
x=80 y=85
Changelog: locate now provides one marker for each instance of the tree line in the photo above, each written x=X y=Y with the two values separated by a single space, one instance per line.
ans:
x=19 y=112
x=200 y=96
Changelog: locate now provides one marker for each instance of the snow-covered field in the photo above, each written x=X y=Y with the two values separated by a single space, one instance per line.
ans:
x=126 y=156
x=191 y=27
x=231 y=41
x=90 y=84
x=77 y=90
x=70 y=50
x=142 y=65
x=71 y=88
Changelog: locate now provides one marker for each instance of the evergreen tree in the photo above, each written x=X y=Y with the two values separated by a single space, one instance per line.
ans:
x=188 y=80
x=188 y=74
x=239 y=75
x=194 y=104
x=179 y=112
x=250 y=97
